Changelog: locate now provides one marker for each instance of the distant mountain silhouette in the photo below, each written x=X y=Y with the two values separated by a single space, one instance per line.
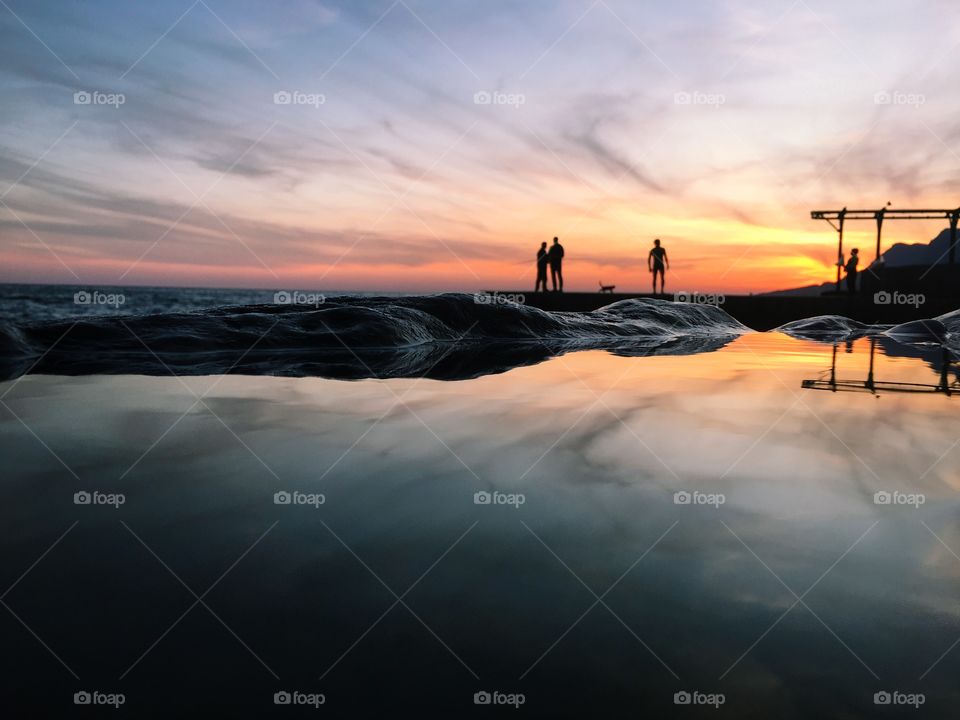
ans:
x=898 y=255
x=805 y=291
x=931 y=253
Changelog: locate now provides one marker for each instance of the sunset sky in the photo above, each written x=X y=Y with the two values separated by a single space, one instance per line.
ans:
x=716 y=126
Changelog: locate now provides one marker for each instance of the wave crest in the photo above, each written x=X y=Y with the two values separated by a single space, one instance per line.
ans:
x=457 y=334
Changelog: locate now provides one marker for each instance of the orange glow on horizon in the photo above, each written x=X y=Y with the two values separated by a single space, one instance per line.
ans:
x=737 y=258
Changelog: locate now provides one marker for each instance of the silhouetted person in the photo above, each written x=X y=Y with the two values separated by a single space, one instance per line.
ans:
x=541 y=268
x=555 y=256
x=655 y=263
x=851 y=268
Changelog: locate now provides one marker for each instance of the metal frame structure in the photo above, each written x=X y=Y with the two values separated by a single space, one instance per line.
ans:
x=841 y=216
x=875 y=387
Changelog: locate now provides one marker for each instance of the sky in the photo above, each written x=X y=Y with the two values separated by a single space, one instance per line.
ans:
x=423 y=145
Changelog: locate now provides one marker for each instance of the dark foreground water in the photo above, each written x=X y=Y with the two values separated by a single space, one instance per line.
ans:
x=777 y=583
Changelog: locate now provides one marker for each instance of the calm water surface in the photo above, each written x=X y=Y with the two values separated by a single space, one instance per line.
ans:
x=786 y=584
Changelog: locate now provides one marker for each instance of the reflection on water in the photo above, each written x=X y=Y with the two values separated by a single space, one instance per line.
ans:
x=940 y=359
x=814 y=564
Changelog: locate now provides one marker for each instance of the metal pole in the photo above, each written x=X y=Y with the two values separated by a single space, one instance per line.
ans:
x=880 y=214
x=840 y=217
x=954 y=217
x=833 y=369
x=945 y=372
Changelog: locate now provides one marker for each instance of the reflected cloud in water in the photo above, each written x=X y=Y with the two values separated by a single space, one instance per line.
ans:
x=598 y=443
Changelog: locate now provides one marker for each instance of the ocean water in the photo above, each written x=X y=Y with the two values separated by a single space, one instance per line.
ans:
x=590 y=521
x=40 y=303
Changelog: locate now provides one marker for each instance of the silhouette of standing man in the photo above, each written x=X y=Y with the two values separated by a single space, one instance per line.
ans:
x=556 y=263
x=655 y=263
x=541 y=268
x=851 y=268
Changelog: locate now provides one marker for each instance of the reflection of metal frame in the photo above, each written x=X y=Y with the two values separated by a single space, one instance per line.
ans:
x=875 y=387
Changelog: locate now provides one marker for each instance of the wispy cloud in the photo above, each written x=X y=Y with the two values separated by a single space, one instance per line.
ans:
x=704 y=124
